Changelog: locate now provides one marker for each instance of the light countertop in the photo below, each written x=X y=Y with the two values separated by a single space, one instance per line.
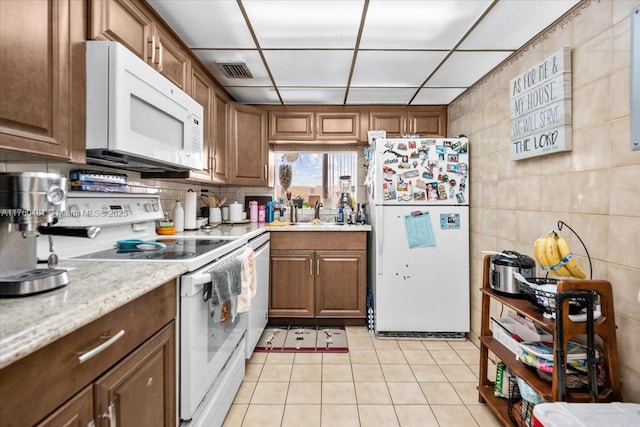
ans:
x=250 y=230
x=95 y=289
x=324 y=227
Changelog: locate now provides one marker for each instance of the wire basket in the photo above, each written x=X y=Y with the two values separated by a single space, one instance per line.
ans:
x=545 y=299
x=520 y=410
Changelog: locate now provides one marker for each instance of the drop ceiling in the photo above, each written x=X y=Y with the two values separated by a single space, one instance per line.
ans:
x=354 y=52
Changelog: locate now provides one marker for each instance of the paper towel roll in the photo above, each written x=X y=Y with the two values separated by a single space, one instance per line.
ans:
x=190 y=205
x=235 y=212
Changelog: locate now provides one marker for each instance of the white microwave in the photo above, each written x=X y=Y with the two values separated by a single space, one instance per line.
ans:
x=136 y=118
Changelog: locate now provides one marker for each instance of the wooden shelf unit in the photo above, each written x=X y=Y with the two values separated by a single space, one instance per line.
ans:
x=604 y=328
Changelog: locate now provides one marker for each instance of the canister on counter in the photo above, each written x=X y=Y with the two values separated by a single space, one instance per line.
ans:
x=270 y=211
x=253 y=211
x=262 y=213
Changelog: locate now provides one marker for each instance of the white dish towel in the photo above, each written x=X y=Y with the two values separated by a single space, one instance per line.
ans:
x=249 y=280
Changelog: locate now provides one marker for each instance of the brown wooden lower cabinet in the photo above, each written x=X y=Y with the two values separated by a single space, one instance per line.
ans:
x=340 y=288
x=292 y=283
x=140 y=390
x=78 y=412
x=67 y=384
x=318 y=275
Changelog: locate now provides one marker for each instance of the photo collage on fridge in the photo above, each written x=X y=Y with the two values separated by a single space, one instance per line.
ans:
x=425 y=170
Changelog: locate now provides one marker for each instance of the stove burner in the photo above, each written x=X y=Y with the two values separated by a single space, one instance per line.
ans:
x=171 y=255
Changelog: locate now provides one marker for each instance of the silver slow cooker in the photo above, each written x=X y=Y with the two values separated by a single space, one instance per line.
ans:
x=503 y=266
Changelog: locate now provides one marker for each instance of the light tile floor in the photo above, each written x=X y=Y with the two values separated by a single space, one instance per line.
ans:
x=382 y=383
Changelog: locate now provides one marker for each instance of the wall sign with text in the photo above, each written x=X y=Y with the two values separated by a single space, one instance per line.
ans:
x=540 y=101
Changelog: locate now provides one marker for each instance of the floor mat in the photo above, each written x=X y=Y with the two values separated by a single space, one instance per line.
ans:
x=303 y=339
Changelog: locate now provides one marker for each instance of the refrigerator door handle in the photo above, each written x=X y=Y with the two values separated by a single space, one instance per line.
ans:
x=379 y=237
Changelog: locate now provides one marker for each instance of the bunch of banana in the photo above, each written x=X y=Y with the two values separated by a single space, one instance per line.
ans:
x=550 y=250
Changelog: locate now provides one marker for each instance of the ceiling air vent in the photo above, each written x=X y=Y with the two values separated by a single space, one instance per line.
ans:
x=235 y=70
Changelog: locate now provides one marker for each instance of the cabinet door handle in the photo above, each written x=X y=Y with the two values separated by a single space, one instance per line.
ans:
x=151 y=50
x=310 y=267
x=317 y=267
x=110 y=415
x=266 y=172
x=160 y=50
x=98 y=349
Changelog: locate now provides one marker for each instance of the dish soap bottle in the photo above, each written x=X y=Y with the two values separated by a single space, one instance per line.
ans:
x=178 y=217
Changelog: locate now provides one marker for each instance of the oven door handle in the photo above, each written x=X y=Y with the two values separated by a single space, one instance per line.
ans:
x=192 y=283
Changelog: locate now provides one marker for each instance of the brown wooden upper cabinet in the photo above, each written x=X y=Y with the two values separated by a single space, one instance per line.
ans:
x=313 y=124
x=220 y=166
x=291 y=126
x=128 y=22
x=342 y=126
x=424 y=121
x=42 y=90
x=202 y=91
x=248 y=147
x=169 y=57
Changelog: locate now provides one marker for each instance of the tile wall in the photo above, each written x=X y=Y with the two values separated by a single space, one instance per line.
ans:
x=170 y=191
x=593 y=188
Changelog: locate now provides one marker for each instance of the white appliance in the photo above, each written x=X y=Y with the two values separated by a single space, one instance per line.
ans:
x=258 y=314
x=419 y=248
x=136 y=118
x=212 y=351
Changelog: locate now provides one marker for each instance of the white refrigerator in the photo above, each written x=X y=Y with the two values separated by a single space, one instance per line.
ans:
x=418 y=190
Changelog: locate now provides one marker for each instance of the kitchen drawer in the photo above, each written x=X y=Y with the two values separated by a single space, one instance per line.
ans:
x=36 y=385
x=339 y=240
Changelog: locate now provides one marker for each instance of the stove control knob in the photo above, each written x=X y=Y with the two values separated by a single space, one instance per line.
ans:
x=148 y=207
x=155 y=207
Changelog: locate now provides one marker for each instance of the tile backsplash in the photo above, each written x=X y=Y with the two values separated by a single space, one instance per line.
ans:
x=170 y=191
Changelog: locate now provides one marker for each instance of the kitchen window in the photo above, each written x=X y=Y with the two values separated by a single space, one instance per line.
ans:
x=307 y=177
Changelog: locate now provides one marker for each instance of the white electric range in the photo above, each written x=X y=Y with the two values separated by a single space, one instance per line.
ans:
x=212 y=350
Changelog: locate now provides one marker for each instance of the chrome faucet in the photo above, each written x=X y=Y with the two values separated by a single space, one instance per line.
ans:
x=317 y=210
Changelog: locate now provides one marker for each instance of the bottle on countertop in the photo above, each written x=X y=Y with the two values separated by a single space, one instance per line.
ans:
x=340 y=214
x=262 y=213
x=253 y=211
x=270 y=211
x=178 y=217
x=346 y=213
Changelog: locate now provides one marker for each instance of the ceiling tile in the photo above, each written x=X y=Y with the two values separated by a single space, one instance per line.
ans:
x=309 y=67
x=250 y=57
x=254 y=95
x=392 y=24
x=437 y=96
x=211 y=24
x=305 y=24
x=394 y=68
x=462 y=69
x=511 y=24
x=312 y=95
x=380 y=95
